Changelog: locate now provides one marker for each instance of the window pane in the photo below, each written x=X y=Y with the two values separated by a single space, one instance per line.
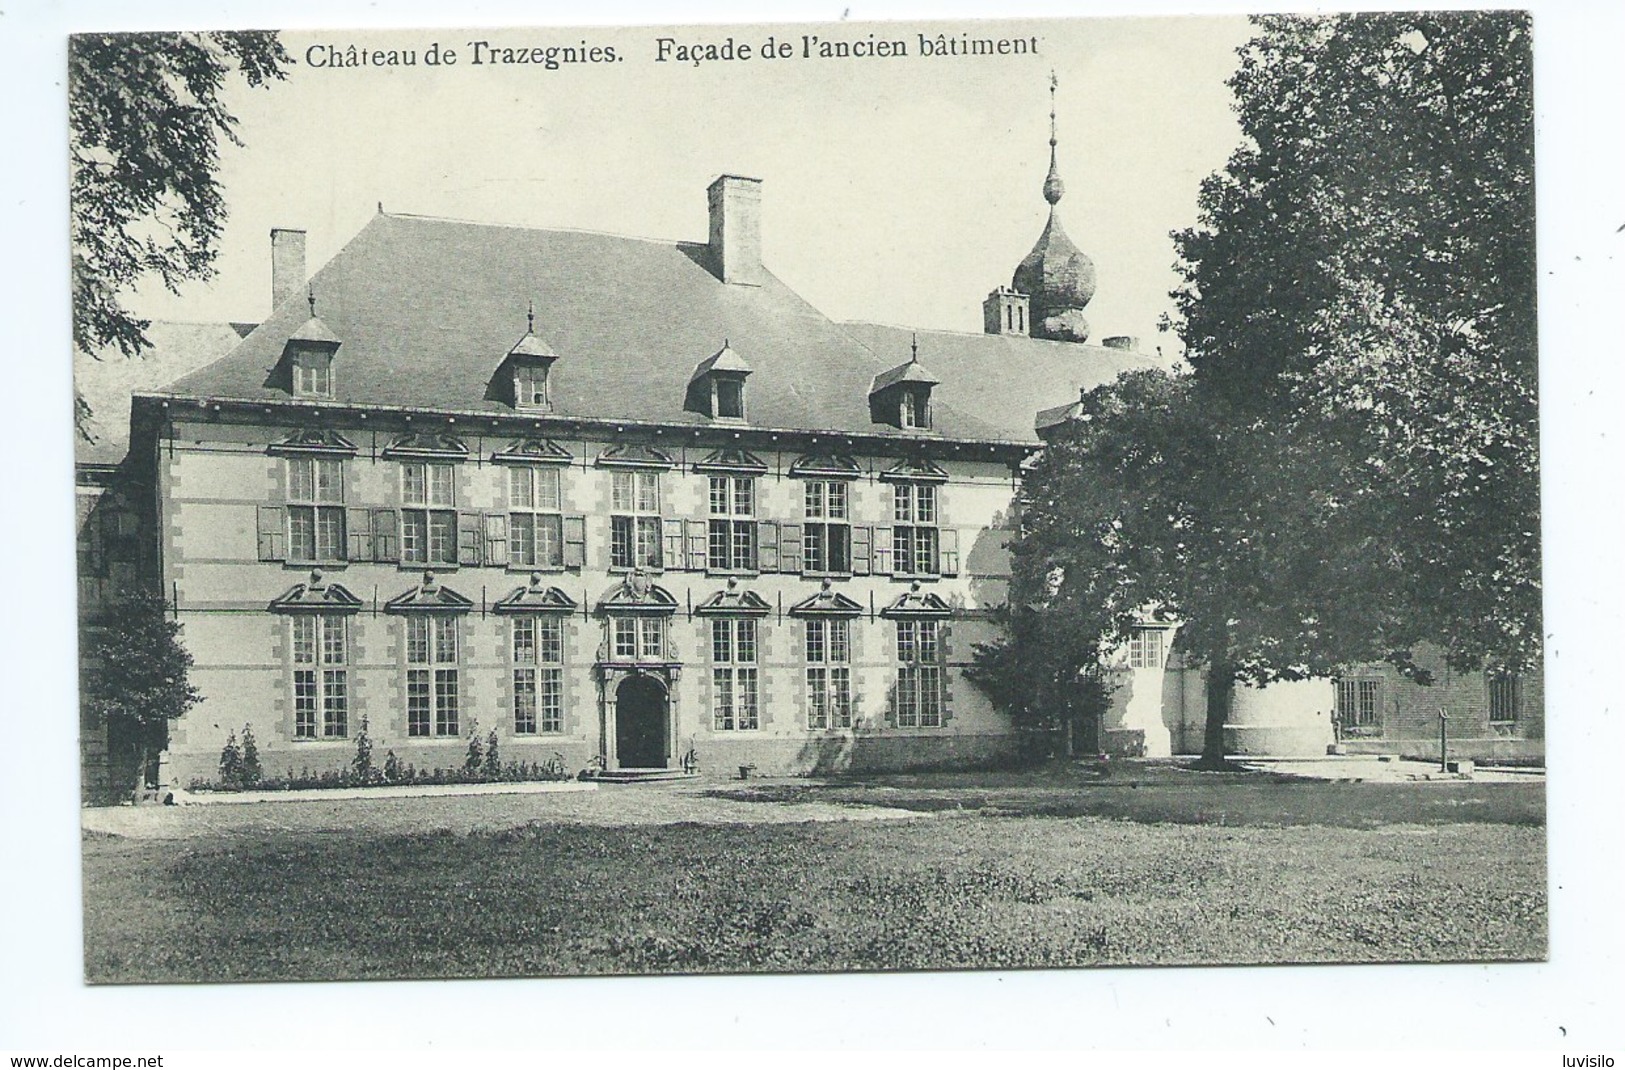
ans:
x=302 y=532
x=716 y=544
x=626 y=637
x=333 y=652
x=524 y=640
x=648 y=492
x=417 y=702
x=445 y=640
x=443 y=538
x=905 y=641
x=329 y=480
x=925 y=503
x=414 y=485
x=414 y=537
x=745 y=642
x=837 y=501
x=841 y=697
x=621 y=491
x=520 y=492
x=719 y=496
x=744 y=496
x=651 y=629
x=840 y=640
x=304 y=640
x=329 y=534
x=648 y=541
x=335 y=703
x=817 y=698
x=304 y=704
x=928 y=642
x=722 y=700
x=524 y=701
x=722 y=640
x=445 y=702
x=745 y=702
x=552 y=700
x=417 y=640
x=620 y=541
x=548 y=495
x=550 y=541
x=813 y=497
x=440 y=485
x=301 y=479
x=815 y=640
x=522 y=538
x=551 y=645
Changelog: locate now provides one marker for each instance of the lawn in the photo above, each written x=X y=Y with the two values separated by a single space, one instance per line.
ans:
x=1020 y=871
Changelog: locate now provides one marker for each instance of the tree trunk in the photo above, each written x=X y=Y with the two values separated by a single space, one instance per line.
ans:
x=1221 y=680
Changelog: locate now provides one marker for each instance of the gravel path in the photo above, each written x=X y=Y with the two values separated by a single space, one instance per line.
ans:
x=611 y=804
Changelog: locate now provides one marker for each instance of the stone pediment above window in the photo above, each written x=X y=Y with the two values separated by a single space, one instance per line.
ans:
x=826 y=466
x=917 y=470
x=733 y=602
x=915 y=604
x=427 y=446
x=828 y=602
x=429 y=597
x=635 y=455
x=732 y=462
x=533 y=451
x=317 y=596
x=637 y=594
x=535 y=598
x=314 y=440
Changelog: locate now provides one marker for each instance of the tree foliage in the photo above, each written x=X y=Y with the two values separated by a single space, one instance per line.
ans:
x=145 y=122
x=136 y=681
x=1351 y=468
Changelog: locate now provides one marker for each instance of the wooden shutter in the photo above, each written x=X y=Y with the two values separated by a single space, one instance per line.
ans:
x=496 y=538
x=767 y=546
x=575 y=542
x=358 y=534
x=695 y=532
x=790 y=536
x=385 y=536
x=671 y=534
x=470 y=538
x=948 y=551
x=883 y=554
x=272 y=528
x=863 y=547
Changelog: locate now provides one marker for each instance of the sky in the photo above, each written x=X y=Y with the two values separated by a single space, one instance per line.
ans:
x=898 y=190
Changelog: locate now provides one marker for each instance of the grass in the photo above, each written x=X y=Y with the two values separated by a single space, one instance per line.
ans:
x=1449 y=872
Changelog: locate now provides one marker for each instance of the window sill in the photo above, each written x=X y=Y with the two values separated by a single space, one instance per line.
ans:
x=814 y=574
x=511 y=567
x=913 y=577
x=430 y=566
x=310 y=741
x=295 y=565
x=743 y=573
x=626 y=570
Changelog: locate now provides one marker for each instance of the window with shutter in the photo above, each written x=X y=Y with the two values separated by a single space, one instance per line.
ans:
x=827 y=531
x=315 y=510
x=731 y=529
x=535 y=517
x=636 y=532
x=429 y=524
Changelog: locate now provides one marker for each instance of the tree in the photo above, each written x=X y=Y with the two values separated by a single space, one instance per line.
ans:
x=145 y=119
x=135 y=680
x=1350 y=469
x=1363 y=278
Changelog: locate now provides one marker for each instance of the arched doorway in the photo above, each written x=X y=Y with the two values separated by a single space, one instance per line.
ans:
x=641 y=724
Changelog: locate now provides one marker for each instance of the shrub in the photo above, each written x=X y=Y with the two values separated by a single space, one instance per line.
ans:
x=231 y=765
x=476 y=755
x=492 y=767
x=362 y=762
x=392 y=767
x=252 y=773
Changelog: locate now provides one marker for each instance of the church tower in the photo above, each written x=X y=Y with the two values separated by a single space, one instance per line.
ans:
x=1056 y=279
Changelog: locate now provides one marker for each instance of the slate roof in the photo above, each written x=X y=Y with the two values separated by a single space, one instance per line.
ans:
x=1005 y=379
x=427 y=309
x=177 y=348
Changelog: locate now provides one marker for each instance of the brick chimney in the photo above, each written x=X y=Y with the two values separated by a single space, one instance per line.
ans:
x=736 y=229
x=287 y=264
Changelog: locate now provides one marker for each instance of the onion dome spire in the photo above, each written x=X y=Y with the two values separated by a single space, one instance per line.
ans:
x=1057 y=277
x=1054 y=188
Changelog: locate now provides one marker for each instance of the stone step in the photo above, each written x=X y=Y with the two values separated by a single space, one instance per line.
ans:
x=638 y=776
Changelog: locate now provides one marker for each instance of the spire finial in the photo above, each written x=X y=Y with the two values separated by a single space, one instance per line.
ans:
x=1053 y=187
x=310 y=296
x=530 y=318
x=914 y=347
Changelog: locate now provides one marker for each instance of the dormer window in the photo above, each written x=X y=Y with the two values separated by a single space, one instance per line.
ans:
x=313 y=374
x=528 y=365
x=730 y=398
x=901 y=397
x=717 y=387
x=308 y=357
x=530 y=386
x=915 y=411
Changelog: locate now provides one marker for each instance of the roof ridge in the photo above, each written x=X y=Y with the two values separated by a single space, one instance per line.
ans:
x=539 y=229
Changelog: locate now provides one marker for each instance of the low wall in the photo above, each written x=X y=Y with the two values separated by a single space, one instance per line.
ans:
x=1484 y=749
x=1277 y=741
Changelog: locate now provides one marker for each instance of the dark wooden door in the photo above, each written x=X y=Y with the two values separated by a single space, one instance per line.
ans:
x=640 y=724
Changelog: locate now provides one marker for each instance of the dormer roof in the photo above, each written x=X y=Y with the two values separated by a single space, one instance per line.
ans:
x=911 y=372
x=314 y=332
x=532 y=346
x=723 y=360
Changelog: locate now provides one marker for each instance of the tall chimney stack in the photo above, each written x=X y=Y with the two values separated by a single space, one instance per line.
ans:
x=287 y=264
x=736 y=229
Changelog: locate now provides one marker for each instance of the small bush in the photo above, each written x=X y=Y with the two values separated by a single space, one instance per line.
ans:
x=392 y=768
x=231 y=765
x=252 y=773
x=362 y=762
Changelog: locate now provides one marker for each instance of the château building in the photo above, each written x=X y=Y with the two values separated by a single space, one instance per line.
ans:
x=633 y=503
